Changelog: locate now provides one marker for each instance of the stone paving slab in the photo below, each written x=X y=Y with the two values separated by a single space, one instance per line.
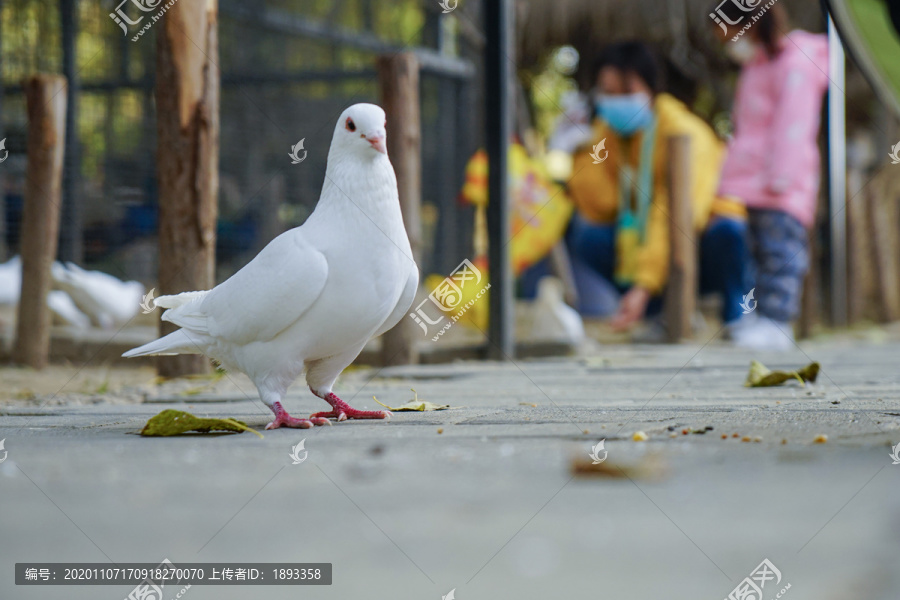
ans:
x=482 y=498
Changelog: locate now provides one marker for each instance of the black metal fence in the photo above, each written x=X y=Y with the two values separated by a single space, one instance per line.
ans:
x=288 y=68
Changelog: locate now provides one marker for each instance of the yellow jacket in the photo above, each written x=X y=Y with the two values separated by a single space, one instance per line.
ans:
x=595 y=187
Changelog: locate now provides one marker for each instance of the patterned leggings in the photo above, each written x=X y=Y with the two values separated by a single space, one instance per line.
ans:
x=779 y=245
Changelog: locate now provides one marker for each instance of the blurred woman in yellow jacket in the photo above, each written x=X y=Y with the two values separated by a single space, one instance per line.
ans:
x=621 y=229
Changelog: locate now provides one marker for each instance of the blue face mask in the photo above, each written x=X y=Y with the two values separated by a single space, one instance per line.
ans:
x=626 y=113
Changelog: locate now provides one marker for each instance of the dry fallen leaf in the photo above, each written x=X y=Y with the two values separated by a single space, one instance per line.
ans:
x=648 y=468
x=761 y=376
x=415 y=405
x=177 y=422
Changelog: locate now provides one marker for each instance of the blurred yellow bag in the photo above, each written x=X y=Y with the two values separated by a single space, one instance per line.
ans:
x=540 y=213
x=540 y=208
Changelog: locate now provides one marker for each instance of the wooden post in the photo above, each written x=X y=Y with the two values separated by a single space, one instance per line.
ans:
x=187 y=108
x=45 y=98
x=860 y=280
x=811 y=295
x=882 y=224
x=398 y=77
x=681 y=291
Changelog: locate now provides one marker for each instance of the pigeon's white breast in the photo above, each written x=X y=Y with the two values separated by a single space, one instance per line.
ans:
x=359 y=228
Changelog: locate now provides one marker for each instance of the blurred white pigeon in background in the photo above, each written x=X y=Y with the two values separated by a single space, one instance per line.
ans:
x=107 y=300
x=554 y=320
x=64 y=310
x=316 y=294
x=10 y=281
x=61 y=305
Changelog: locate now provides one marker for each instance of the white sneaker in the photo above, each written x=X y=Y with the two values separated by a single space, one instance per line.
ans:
x=761 y=333
x=741 y=329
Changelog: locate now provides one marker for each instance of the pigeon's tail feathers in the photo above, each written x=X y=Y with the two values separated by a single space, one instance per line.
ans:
x=184 y=311
x=177 y=342
x=176 y=300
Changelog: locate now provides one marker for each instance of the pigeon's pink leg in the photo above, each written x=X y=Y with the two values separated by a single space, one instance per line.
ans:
x=340 y=410
x=283 y=419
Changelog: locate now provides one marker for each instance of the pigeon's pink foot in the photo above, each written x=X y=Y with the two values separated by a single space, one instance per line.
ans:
x=341 y=411
x=283 y=419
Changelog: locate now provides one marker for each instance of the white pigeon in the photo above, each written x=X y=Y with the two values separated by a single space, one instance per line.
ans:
x=107 y=300
x=10 y=281
x=315 y=294
x=65 y=311
x=60 y=303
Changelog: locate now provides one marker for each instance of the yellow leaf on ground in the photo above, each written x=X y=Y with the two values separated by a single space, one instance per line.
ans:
x=414 y=405
x=761 y=376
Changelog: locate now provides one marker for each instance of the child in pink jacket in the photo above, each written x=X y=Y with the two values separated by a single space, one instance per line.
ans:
x=773 y=163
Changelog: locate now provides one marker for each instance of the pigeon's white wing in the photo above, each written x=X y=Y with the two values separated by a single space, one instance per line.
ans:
x=264 y=298
x=403 y=304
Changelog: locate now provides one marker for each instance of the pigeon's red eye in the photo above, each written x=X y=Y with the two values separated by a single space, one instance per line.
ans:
x=351 y=126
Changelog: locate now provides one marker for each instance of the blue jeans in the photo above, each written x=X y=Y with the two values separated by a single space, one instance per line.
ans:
x=779 y=244
x=724 y=259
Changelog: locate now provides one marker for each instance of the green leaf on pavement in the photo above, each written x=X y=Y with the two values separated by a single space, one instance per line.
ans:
x=178 y=422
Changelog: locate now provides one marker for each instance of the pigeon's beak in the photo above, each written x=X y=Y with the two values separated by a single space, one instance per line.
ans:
x=378 y=142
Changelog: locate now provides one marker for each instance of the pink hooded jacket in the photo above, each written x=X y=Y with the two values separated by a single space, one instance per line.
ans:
x=773 y=159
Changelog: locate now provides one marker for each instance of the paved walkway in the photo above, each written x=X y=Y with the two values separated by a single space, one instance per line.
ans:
x=482 y=498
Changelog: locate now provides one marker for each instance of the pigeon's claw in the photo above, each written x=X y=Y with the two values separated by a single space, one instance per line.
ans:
x=292 y=422
x=342 y=411
x=283 y=419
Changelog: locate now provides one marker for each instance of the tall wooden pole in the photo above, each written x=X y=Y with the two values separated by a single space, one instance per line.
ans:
x=398 y=77
x=187 y=108
x=681 y=291
x=45 y=98
x=498 y=116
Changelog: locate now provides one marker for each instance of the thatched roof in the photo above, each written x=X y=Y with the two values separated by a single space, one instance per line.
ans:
x=680 y=29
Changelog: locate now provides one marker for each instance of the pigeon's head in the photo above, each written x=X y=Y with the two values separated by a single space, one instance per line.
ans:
x=361 y=130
